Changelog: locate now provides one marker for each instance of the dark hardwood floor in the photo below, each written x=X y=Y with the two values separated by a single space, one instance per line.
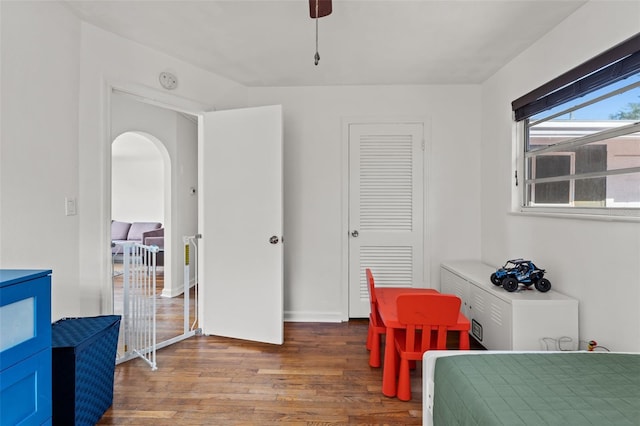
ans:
x=319 y=376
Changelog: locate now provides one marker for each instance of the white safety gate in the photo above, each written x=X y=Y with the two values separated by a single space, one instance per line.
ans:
x=139 y=308
x=138 y=325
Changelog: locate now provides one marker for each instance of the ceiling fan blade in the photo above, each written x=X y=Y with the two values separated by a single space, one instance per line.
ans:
x=324 y=8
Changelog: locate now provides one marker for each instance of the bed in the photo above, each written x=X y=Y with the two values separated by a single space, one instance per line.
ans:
x=530 y=388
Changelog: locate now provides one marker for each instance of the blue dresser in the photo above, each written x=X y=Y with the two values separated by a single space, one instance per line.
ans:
x=25 y=347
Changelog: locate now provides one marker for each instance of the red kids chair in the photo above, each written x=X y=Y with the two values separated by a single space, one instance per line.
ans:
x=425 y=316
x=376 y=326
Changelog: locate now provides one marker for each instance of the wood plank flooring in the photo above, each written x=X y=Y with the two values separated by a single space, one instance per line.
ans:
x=319 y=376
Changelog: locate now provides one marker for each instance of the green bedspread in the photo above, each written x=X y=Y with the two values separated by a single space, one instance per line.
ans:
x=584 y=388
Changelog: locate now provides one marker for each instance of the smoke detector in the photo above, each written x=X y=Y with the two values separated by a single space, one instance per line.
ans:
x=168 y=80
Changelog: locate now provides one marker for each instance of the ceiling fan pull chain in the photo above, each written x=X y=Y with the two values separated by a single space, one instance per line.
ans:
x=317 y=55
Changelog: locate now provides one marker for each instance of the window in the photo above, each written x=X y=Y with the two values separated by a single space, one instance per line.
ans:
x=581 y=137
x=552 y=165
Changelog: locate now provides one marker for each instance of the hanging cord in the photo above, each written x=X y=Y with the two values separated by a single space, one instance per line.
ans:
x=317 y=55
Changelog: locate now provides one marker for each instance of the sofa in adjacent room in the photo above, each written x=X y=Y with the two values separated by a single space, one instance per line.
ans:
x=147 y=233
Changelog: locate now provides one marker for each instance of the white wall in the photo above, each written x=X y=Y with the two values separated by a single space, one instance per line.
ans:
x=40 y=56
x=313 y=182
x=178 y=137
x=187 y=176
x=54 y=143
x=107 y=60
x=55 y=105
x=137 y=179
x=55 y=75
x=597 y=262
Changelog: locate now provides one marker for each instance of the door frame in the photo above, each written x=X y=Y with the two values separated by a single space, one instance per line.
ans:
x=346 y=123
x=145 y=95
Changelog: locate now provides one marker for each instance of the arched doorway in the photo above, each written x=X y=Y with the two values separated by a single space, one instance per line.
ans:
x=140 y=185
x=138 y=178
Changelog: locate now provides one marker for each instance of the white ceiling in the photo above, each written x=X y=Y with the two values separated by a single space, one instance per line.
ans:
x=272 y=43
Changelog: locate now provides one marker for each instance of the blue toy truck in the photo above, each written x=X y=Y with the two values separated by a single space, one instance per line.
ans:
x=520 y=271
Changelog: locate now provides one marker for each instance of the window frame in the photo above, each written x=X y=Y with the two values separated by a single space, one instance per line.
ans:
x=562 y=210
x=615 y=64
x=519 y=193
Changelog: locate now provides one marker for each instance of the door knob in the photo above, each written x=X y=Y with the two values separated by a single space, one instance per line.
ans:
x=354 y=233
x=274 y=240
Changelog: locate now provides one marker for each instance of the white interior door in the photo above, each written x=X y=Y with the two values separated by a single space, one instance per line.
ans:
x=386 y=193
x=240 y=219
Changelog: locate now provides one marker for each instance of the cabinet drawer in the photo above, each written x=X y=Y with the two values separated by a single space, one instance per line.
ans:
x=25 y=319
x=25 y=391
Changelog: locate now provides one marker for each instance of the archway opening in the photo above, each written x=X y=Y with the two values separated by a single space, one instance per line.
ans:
x=137 y=179
x=141 y=191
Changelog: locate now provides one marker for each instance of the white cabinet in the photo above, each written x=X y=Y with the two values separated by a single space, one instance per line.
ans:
x=509 y=321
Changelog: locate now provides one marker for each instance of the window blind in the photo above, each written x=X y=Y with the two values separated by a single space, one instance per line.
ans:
x=617 y=63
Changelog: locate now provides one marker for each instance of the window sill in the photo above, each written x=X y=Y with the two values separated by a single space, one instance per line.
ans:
x=633 y=217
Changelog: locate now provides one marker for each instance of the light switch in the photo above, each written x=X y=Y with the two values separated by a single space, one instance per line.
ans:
x=70 y=207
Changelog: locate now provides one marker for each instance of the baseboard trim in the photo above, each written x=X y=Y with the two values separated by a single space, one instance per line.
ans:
x=173 y=292
x=302 y=316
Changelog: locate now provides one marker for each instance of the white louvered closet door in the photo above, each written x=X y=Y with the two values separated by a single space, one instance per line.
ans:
x=386 y=193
